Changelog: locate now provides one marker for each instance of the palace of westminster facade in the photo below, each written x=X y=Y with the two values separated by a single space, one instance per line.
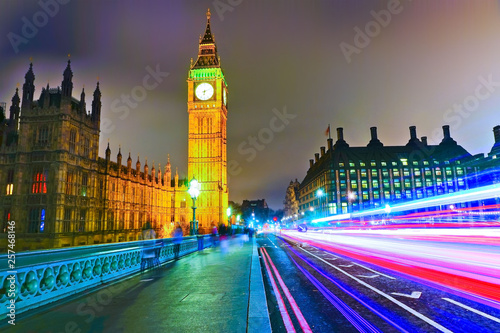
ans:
x=61 y=193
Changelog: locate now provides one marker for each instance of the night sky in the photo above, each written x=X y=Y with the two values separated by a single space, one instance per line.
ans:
x=424 y=60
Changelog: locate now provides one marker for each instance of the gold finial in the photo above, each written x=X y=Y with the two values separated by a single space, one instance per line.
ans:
x=97 y=78
x=69 y=55
x=208 y=14
x=31 y=59
x=191 y=62
x=18 y=84
x=168 y=158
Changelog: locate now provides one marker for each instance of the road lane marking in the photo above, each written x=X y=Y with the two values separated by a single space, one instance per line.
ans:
x=415 y=294
x=389 y=297
x=281 y=305
x=472 y=310
x=374 y=271
x=346 y=265
x=302 y=321
x=369 y=276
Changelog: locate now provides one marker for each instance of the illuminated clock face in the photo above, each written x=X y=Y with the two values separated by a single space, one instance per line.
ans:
x=224 y=96
x=204 y=91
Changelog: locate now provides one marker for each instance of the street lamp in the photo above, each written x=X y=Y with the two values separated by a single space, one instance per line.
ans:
x=228 y=216
x=319 y=194
x=194 y=191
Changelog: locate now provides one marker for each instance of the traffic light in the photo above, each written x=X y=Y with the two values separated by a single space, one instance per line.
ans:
x=275 y=219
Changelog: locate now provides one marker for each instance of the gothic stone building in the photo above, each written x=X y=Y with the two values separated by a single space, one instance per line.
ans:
x=57 y=188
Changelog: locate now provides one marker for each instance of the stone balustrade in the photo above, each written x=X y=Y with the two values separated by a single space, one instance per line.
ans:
x=46 y=276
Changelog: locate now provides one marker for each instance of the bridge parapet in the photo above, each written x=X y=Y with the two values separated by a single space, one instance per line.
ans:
x=42 y=277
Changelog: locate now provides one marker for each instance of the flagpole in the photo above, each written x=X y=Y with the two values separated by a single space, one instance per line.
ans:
x=329 y=132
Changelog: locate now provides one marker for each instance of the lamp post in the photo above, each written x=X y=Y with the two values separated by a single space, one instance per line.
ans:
x=194 y=191
x=319 y=194
x=228 y=216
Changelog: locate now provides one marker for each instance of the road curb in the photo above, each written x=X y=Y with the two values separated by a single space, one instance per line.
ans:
x=258 y=315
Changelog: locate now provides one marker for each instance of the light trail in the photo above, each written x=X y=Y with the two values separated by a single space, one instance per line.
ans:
x=472 y=271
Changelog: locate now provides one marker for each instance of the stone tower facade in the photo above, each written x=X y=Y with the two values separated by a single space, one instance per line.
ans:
x=207 y=108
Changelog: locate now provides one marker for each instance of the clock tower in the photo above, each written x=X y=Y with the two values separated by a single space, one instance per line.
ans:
x=207 y=109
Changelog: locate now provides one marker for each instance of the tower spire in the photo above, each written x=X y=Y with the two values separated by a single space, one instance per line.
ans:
x=67 y=84
x=28 y=86
x=207 y=51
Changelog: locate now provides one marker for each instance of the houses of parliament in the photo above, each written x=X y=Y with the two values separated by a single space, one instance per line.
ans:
x=61 y=193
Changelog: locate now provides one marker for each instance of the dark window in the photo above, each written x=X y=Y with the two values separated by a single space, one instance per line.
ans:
x=67 y=220
x=72 y=141
x=81 y=225
x=70 y=177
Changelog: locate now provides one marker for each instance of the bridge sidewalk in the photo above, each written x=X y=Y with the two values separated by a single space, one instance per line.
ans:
x=215 y=290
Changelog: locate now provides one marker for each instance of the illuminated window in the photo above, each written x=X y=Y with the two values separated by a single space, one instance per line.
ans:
x=426 y=162
x=342 y=173
x=395 y=172
x=461 y=182
x=72 y=141
x=67 y=220
x=70 y=176
x=397 y=194
x=10 y=182
x=394 y=163
x=459 y=171
x=385 y=173
x=386 y=183
x=406 y=172
x=408 y=194
x=363 y=172
x=364 y=184
x=397 y=184
x=427 y=172
x=448 y=172
x=407 y=183
x=342 y=184
x=374 y=172
x=383 y=163
x=39 y=181
x=418 y=183
x=419 y=194
x=372 y=163
x=404 y=161
x=376 y=195
x=428 y=182
x=354 y=184
x=352 y=172
x=6 y=218
x=415 y=163
x=365 y=195
x=351 y=164
x=416 y=172
x=375 y=183
x=36 y=220
x=387 y=195
x=341 y=164
x=438 y=172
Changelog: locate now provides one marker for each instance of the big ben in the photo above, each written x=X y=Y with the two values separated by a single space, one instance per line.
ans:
x=207 y=154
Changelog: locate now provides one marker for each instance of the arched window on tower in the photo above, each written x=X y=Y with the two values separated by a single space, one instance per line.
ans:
x=39 y=184
x=72 y=141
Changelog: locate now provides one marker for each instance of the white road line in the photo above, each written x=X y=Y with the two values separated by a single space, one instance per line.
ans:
x=389 y=297
x=414 y=294
x=346 y=265
x=472 y=310
x=369 y=276
x=374 y=271
x=272 y=243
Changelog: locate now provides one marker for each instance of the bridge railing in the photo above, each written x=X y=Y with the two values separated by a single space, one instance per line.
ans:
x=42 y=277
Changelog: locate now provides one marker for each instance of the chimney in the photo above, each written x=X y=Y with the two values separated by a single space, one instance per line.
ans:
x=413 y=132
x=322 y=151
x=424 y=140
x=330 y=144
x=340 y=134
x=496 y=132
x=373 y=131
x=446 y=131
x=316 y=157
x=311 y=163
